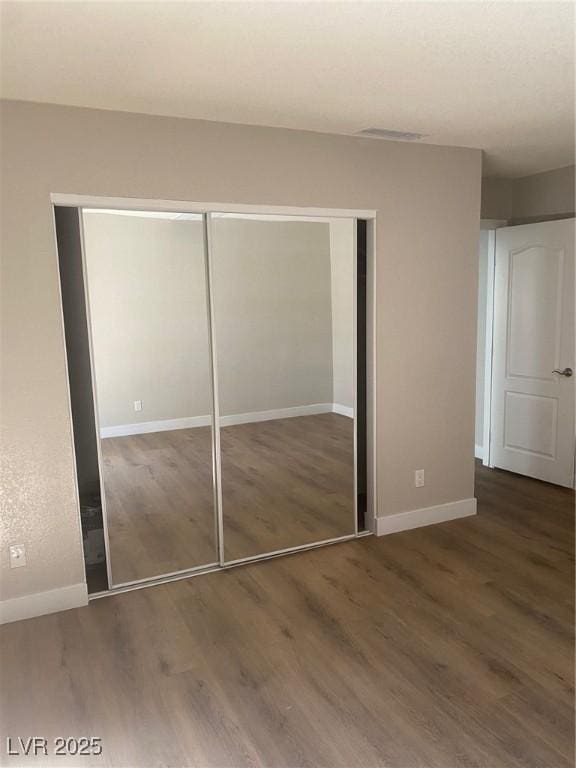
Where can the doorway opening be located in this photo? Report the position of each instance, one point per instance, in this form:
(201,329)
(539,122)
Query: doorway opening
(525,360)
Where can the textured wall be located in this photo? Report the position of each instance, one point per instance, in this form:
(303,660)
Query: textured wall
(428,204)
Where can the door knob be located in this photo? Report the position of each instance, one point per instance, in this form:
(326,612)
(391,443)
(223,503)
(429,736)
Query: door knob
(566,372)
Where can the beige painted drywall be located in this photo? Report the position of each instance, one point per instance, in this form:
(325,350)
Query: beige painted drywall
(543,194)
(147,295)
(539,196)
(342,234)
(427,200)
(497,198)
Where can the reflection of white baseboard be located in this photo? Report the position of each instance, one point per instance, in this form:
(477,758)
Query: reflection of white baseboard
(416,518)
(189,422)
(40,603)
(164,425)
(343,410)
(275,413)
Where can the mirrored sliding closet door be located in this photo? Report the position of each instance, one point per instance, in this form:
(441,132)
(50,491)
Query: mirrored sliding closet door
(283,292)
(147,299)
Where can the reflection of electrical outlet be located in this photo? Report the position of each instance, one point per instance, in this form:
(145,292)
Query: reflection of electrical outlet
(419,478)
(137,405)
(17,556)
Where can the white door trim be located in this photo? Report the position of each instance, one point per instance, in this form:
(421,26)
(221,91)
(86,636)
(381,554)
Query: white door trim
(489,225)
(182,206)
(489,348)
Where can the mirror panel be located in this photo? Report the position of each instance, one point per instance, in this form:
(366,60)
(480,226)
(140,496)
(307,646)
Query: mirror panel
(146,285)
(283,293)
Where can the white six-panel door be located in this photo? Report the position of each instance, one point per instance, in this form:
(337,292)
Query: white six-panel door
(532,392)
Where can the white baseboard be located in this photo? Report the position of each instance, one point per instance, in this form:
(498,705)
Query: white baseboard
(189,422)
(41,603)
(416,518)
(343,410)
(479,451)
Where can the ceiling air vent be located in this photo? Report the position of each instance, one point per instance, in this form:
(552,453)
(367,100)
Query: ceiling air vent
(385,133)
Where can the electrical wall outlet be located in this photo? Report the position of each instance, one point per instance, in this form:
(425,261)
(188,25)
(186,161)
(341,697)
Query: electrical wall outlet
(17,556)
(419,478)
(137,405)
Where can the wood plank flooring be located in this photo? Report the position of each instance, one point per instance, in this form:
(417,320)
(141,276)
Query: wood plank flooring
(445,647)
(285,483)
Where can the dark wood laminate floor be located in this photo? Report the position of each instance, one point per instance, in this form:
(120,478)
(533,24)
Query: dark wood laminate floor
(285,483)
(443,647)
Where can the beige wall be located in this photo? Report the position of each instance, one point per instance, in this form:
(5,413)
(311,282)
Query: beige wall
(537,197)
(544,194)
(428,205)
(342,234)
(497,198)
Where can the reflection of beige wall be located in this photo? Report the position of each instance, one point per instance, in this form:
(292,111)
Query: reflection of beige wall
(427,200)
(342,267)
(147,291)
(272,298)
(272,310)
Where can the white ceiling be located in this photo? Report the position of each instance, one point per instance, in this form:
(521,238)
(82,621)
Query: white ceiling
(498,75)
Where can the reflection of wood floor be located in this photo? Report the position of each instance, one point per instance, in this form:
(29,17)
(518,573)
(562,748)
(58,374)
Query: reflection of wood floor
(285,482)
(441,647)
(159,502)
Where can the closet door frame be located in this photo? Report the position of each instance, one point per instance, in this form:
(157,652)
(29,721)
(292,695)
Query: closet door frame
(205,210)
